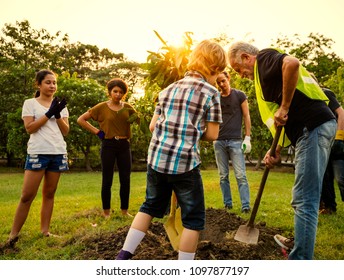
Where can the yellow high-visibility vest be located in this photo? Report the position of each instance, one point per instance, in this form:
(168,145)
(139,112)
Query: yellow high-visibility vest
(305,83)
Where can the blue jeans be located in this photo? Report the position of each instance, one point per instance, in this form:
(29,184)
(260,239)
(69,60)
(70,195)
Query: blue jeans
(226,150)
(312,152)
(188,188)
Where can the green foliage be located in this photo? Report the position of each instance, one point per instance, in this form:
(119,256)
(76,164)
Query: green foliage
(17,136)
(336,84)
(81,95)
(169,64)
(24,50)
(12,94)
(141,134)
(315,54)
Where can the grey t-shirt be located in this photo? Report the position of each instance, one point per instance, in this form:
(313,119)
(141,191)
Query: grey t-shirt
(231,127)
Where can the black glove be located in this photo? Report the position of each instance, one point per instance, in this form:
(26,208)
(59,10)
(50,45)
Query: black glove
(101,134)
(53,108)
(337,151)
(62,104)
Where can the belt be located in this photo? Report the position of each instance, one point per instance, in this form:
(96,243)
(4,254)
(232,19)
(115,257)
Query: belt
(120,137)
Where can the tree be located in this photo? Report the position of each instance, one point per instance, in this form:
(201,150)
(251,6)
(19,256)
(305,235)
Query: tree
(169,64)
(336,84)
(81,95)
(24,50)
(17,136)
(315,54)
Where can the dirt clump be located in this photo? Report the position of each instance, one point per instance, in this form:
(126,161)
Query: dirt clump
(216,242)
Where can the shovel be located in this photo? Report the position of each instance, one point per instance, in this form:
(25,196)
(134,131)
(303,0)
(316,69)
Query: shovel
(247,233)
(173,225)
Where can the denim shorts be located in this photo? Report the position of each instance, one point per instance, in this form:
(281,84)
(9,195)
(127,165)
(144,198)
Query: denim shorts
(54,163)
(189,191)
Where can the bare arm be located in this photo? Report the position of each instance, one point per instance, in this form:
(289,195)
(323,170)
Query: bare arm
(153,122)
(212,131)
(290,74)
(247,118)
(83,122)
(32,125)
(340,118)
(63,124)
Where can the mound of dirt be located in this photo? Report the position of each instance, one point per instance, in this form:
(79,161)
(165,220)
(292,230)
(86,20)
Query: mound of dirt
(216,242)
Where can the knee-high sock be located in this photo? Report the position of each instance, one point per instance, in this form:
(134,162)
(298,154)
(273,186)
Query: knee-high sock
(133,239)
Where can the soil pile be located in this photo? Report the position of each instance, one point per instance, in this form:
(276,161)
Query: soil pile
(216,242)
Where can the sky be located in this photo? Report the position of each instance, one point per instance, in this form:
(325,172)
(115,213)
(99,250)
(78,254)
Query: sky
(127,26)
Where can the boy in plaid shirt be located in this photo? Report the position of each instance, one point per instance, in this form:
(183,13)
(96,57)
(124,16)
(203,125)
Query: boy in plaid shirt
(187,111)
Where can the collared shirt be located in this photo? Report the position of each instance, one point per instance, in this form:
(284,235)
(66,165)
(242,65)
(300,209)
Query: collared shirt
(184,107)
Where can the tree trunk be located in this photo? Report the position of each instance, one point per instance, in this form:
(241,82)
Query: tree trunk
(259,163)
(88,162)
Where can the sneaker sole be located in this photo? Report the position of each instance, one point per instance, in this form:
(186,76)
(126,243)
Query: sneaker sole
(281,244)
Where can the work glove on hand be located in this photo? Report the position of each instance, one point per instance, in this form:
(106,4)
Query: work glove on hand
(246,145)
(61,105)
(101,134)
(53,108)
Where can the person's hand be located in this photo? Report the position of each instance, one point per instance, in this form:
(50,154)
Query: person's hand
(61,105)
(246,145)
(53,108)
(281,117)
(101,134)
(270,161)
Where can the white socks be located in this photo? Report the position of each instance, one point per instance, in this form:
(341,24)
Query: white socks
(186,256)
(133,239)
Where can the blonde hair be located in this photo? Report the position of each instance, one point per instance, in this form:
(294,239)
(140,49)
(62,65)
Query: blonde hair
(208,58)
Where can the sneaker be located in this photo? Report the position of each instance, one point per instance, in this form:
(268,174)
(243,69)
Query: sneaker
(284,242)
(246,210)
(124,255)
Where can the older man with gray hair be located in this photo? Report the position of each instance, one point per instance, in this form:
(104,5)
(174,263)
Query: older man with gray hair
(288,96)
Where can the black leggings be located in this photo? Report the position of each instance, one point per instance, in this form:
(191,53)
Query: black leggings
(115,151)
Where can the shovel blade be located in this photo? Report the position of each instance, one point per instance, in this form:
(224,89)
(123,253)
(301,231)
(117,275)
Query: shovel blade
(247,234)
(178,221)
(172,233)
(173,226)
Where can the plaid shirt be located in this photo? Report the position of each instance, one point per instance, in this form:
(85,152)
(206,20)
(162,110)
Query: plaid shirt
(184,107)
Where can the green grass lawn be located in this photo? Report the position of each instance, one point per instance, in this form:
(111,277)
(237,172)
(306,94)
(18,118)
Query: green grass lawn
(77,212)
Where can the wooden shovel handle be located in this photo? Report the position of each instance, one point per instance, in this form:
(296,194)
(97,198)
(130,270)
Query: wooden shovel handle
(265,176)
